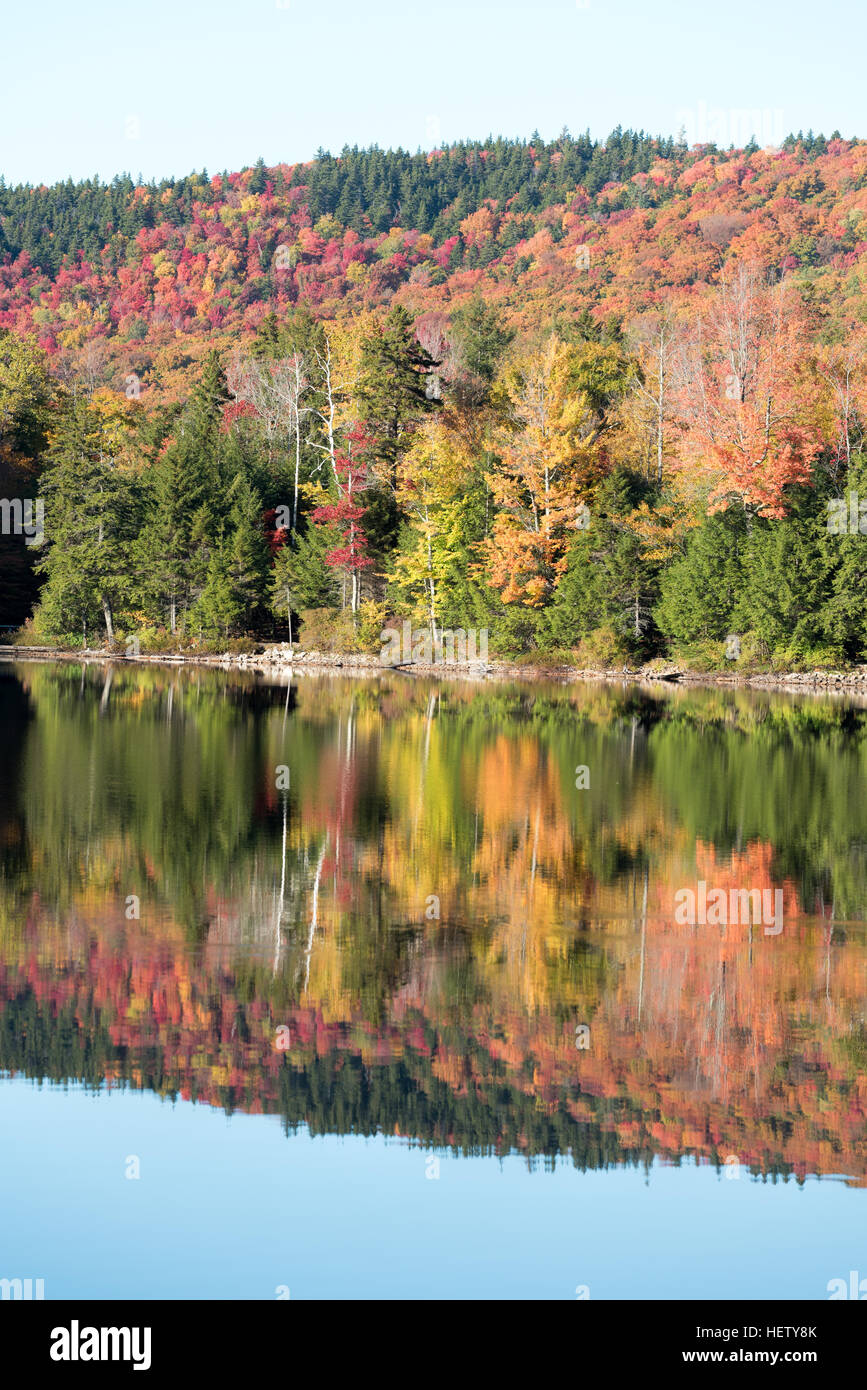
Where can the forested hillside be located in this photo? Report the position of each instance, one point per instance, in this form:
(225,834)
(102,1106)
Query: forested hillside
(603,399)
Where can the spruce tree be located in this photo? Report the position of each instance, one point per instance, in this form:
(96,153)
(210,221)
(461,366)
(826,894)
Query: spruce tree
(91,518)
(246,550)
(186,488)
(393,387)
(699,594)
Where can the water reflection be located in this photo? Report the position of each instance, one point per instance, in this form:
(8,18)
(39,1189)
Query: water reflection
(395,907)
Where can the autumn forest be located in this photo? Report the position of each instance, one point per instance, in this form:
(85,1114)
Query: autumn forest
(605,400)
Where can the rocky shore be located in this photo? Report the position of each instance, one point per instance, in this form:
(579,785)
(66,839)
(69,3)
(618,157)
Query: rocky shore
(274,658)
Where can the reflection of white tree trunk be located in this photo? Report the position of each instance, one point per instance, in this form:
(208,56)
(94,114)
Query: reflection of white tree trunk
(278,936)
(288,693)
(350,734)
(106,689)
(534,860)
(313,920)
(643,945)
(422,773)
(430,714)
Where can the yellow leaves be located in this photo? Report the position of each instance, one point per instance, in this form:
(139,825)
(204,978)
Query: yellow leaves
(662,530)
(116,414)
(341,362)
(328,227)
(547,462)
(479,227)
(316,493)
(429,488)
(435,465)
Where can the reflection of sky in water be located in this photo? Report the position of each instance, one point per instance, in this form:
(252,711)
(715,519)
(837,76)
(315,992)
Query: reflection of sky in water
(232,1209)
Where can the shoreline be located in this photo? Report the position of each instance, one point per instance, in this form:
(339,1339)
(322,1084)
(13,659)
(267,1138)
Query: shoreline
(278,658)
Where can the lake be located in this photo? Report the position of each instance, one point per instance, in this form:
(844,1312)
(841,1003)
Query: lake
(322,987)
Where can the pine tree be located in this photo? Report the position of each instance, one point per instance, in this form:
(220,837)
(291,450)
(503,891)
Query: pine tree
(610,581)
(845,617)
(186,484)
(218,609)
(393,388)
(699,594)
(300,577)
(482,339)
(91,515)
(789,566)
(247,551)
(164,552)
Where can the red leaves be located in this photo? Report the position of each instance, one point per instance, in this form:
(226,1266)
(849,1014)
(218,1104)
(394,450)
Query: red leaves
(275,536)
(351,472)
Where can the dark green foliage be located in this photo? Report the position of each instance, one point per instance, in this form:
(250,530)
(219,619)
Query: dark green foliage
(369,190)
(699,593)
(393,388)
(609,580)
(92,515)
(482,338)
(788,568)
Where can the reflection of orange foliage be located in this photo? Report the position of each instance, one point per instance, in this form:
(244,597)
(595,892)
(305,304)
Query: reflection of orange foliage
(705,1047)
(450,1067)
(749,869)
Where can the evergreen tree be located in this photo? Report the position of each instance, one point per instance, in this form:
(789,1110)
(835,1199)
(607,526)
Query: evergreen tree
(393,388)
(247,552)
(789,569)
(609,581)
(164,553)
(699,594)
(26,393)
(482,339)
(845,616)
(219,608)
(91,516)
(300,577)
(185,488)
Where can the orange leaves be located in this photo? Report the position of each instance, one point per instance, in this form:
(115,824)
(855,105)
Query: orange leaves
(552,450)
(524,564)
(744,434)
(480,226)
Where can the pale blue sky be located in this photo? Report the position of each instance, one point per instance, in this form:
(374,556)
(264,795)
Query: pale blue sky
(171,85)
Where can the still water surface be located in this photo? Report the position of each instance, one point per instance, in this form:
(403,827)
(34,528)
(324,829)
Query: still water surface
(345,988)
